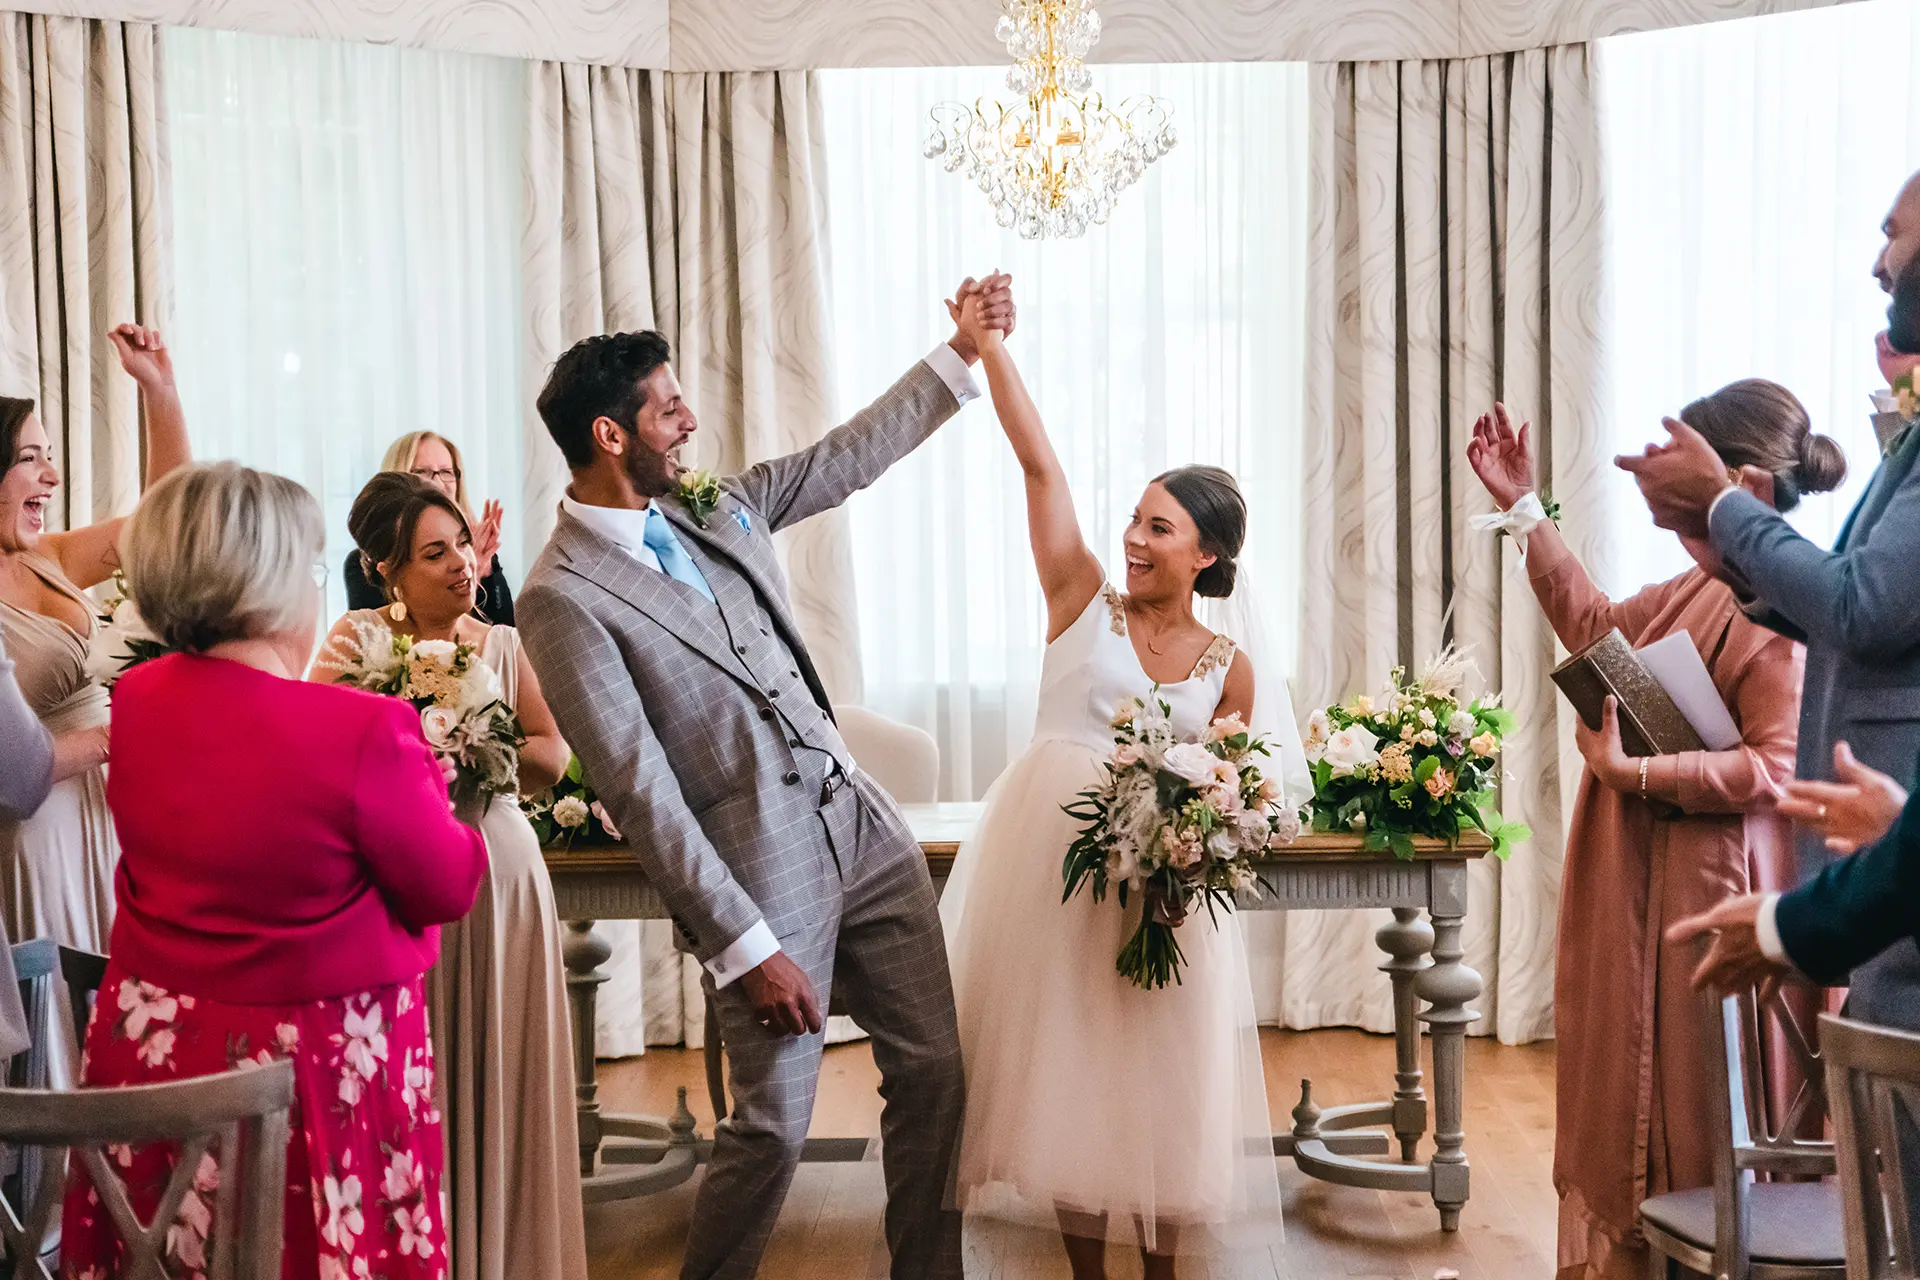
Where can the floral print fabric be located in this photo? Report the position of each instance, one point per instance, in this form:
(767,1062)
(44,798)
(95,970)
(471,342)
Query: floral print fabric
(364,1153)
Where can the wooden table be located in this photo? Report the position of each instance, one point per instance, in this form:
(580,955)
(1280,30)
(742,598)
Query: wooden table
(1316,872)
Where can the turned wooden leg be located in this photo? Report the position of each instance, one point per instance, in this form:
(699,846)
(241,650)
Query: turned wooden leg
(1407,940)
(1448,986)
(583,952)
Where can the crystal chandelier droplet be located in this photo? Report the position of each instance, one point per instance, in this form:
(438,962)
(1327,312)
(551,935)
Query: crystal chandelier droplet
(1052,163)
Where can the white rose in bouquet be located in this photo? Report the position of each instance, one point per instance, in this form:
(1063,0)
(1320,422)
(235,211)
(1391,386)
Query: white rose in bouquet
(479,688)
(570,811)
(440,724)
(1461,725)
(1351,749)
(1192,762)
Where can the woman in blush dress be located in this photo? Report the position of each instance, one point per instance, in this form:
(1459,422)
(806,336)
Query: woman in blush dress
(1653,841)
(498,995)
(288,854)
(1097,1107)
(56,866)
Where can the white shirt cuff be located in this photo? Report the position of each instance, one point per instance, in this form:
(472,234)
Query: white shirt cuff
(953,371)
(1768,930)
(1720,498)
(749,951)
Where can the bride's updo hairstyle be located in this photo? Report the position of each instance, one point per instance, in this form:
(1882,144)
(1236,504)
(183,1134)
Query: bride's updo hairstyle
(384,517)
(1756,423)
(1211,498)
(218,552)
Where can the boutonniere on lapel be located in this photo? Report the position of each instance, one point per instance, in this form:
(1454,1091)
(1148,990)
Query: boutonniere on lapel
(699,492)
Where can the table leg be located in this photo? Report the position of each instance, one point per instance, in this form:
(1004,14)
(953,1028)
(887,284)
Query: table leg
(1407,940)
(583,952)
(1447,986)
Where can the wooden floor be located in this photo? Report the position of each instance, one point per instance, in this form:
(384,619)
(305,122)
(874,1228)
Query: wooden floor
(830,1227)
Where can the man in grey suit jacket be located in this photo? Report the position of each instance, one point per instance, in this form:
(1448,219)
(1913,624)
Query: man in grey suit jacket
(1857,607)
(663,639)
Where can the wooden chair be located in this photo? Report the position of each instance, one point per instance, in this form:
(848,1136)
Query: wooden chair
(34,964)
(84,971)
(1741,1228)
(241,1116)
(1873,1073)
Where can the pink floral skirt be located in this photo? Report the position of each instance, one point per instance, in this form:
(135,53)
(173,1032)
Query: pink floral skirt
(364,1155)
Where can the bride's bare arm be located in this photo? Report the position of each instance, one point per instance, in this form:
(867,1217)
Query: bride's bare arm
(1069,573)
(1236,695)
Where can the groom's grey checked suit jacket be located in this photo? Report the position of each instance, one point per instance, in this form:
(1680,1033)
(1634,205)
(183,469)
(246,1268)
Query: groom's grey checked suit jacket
(704,729)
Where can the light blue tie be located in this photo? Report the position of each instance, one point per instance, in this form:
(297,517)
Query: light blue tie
(674,560)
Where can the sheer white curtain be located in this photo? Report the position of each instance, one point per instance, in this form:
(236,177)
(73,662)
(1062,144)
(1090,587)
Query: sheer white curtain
(1749,166)
(347,252)
(1172,335)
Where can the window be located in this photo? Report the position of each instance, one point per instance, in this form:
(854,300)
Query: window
(347,257)
(1172,335)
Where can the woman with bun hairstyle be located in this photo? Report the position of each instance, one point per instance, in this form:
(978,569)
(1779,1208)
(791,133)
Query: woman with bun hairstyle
(1653,841)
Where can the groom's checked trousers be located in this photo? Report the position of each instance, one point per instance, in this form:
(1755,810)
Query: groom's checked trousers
(883,951)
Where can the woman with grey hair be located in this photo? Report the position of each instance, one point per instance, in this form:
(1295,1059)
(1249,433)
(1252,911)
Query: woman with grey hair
(288,855)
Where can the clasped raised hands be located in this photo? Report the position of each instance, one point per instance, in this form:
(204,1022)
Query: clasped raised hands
(982,312)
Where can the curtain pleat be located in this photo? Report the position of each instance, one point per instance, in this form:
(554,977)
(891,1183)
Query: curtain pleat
(85,239)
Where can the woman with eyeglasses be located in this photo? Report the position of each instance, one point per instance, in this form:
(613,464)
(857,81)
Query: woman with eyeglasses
(434,458)
(56,864)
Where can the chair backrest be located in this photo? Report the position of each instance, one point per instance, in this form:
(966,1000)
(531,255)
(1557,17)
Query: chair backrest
(902,759)
(84,971)
(1873,1075)
(1747,1143)
(239,1116)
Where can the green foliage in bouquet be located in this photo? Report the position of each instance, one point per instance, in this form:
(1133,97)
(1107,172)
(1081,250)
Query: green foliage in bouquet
(1422,761)
(568,813)
(1176,822)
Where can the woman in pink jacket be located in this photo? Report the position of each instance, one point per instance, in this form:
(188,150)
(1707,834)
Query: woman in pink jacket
(287,853)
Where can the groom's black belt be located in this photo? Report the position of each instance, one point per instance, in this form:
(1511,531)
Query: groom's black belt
(830,786)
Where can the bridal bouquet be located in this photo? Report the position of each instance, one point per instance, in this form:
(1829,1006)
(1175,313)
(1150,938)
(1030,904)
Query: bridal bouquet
(465,720)
(122,641)
(1420,761)
(568,812)
(1176,822)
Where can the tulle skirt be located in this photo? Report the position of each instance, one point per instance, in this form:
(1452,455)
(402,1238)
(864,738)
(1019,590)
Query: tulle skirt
(1085,1093)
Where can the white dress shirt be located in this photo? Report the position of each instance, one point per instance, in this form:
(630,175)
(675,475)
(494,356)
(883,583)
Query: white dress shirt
(626,528)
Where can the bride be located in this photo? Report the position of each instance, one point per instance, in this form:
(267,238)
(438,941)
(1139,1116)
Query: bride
(1092,1104)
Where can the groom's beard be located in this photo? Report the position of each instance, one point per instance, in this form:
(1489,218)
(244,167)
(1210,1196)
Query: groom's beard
(652,474)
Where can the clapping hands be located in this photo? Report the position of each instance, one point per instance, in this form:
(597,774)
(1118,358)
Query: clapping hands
(1855,810)
(486,538)
(983,314)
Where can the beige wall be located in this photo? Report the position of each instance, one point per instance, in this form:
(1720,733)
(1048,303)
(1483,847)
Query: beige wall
(738,35)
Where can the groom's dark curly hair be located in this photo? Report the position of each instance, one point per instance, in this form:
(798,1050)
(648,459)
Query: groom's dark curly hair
(599,377)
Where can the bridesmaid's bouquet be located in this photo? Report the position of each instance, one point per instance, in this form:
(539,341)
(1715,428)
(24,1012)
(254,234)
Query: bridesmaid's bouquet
(122,641)
(1177,822)
(1420,760)
(466,721)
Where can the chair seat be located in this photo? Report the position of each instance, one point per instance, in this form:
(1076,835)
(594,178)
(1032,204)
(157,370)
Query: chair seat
(1794,1223)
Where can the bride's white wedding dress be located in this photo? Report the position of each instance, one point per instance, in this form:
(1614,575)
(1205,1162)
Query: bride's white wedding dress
(1085,1092)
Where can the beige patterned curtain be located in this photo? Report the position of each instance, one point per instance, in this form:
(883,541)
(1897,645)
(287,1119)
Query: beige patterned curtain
(1455,260)
(85,238)
(694,204)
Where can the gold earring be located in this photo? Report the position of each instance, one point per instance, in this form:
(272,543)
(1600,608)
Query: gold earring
(397,611)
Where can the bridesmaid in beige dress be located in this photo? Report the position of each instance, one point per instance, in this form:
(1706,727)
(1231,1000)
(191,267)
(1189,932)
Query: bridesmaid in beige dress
(1649,846)
(497,997)
(56,866)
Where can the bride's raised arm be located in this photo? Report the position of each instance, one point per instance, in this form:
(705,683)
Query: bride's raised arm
(1070,575)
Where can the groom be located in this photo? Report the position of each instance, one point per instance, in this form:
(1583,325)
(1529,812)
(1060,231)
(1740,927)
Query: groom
(660,629)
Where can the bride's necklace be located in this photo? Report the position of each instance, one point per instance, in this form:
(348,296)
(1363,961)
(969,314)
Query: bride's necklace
(1148,639)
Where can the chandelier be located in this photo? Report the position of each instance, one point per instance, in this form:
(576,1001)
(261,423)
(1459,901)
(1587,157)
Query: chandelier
(1053,164)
